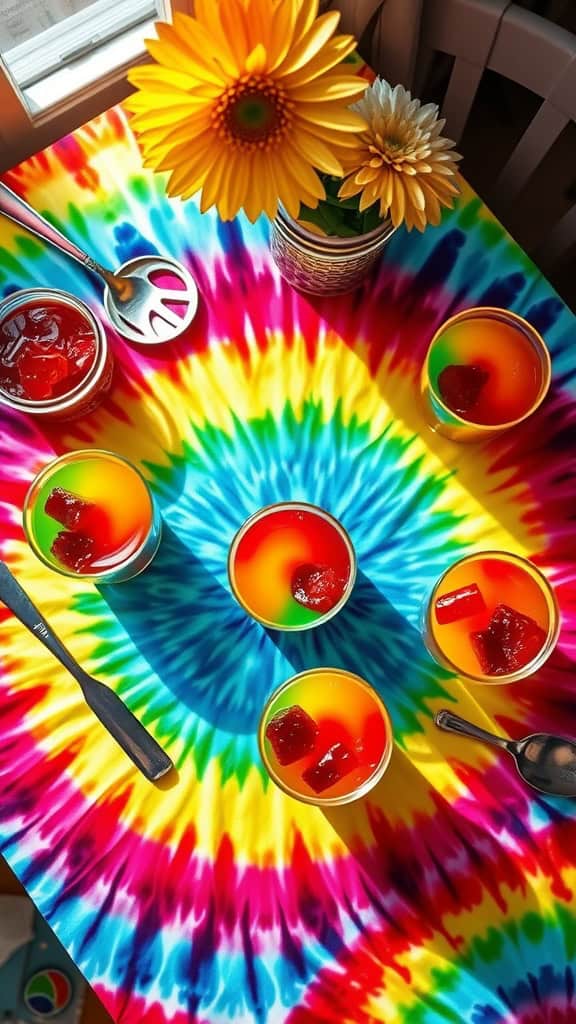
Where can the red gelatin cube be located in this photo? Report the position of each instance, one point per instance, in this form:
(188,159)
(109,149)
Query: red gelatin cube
(492,660)
(459,604)
(318,587)
(292,734)
(75,551)
(81,352)
(337,762)
(40,373)
(510,642)
(460,386)
(69,509)
(519,634)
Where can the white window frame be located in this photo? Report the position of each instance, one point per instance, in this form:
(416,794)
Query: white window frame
(22,134)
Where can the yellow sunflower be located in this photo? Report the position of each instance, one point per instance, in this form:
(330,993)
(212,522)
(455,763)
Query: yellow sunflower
(402,160)
(245,101)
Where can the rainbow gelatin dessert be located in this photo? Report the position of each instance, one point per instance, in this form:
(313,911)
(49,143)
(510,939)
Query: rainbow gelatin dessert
(91,514)
(325,737)
(486,370)
(492,617)
(291,566)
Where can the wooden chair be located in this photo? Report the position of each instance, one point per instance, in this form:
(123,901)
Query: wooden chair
(399,39)
(387,30)
(524,48)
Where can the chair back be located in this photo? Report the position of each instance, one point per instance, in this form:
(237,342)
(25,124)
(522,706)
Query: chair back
(519,45)
(387,31)
(399,38)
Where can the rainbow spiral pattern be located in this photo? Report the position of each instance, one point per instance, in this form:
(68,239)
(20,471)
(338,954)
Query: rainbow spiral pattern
(445,896)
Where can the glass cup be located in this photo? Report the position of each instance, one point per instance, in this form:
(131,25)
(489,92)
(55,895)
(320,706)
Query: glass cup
(291,566)
(90,515)
(54,356)
(352,726)
(492,366)
(471,591)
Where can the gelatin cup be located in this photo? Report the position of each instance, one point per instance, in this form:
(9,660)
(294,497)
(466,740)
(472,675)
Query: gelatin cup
(257,517)
(459,428)
(137,557)
(433,644)
(91,390)
(346,686)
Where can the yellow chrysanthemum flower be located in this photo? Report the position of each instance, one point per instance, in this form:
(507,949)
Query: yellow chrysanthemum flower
(402,160)
(244,101)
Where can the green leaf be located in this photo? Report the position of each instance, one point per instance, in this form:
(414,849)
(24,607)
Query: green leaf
(371,218)
(332,186)
(341,217)
(316,216)
(344,204)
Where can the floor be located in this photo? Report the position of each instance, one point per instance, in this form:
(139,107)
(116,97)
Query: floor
(93,1012)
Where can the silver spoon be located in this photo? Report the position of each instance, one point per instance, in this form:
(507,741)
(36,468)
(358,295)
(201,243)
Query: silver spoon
(128,732)
(139,308)
(546,762)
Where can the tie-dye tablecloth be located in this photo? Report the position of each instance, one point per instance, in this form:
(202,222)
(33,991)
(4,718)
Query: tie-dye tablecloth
(445,896)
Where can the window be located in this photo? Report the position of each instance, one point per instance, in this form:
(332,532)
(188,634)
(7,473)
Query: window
(64,61)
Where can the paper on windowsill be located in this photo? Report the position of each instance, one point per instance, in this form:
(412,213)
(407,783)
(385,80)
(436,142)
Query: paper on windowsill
(23,19)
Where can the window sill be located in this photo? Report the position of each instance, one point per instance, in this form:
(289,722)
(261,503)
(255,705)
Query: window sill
(68,85)
(72,95)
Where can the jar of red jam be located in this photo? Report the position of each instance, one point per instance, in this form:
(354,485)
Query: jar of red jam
(54,355)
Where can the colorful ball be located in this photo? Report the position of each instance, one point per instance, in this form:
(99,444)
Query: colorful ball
(47,993)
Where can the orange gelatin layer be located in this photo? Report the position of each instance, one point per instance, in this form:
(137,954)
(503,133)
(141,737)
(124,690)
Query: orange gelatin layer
(346,710)
(505,352)
(502,581)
